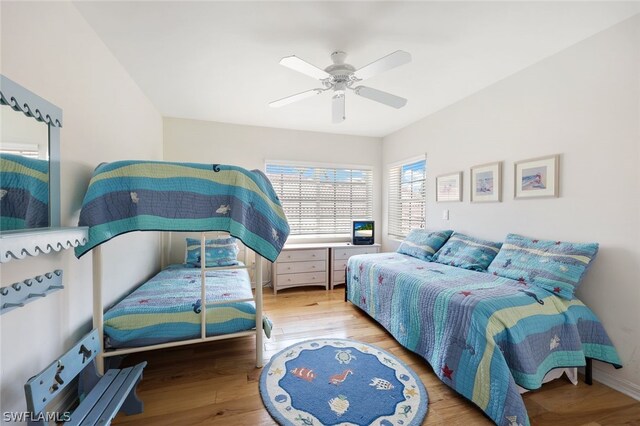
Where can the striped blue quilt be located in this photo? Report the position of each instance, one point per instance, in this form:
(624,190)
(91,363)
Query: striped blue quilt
(481,333)
(129,196)
(167,308)
(24,192)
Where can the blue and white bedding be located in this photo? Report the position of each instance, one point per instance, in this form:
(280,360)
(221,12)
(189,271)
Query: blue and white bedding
(126,196)
(167,308)
(481,333)
(24,192)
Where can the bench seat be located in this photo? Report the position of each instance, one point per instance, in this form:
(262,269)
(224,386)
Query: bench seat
(101,397)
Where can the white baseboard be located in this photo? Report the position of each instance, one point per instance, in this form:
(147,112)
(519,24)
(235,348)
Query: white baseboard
(621,385)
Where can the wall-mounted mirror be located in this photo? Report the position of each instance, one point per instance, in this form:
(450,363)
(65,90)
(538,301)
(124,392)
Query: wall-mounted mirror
(29,159)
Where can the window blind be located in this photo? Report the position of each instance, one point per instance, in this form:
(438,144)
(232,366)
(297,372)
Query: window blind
(23,149)
(407,197)
(322,200)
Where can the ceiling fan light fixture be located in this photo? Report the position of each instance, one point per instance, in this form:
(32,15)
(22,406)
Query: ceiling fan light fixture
(340,76)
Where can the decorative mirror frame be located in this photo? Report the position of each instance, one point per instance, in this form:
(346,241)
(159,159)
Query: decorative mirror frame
(18,244)
(22,100)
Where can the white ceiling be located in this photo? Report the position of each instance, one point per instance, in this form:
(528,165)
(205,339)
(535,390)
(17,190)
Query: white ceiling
(218,61)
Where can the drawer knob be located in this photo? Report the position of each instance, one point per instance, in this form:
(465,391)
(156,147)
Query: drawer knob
(313,255)
(313,267)
(289,280)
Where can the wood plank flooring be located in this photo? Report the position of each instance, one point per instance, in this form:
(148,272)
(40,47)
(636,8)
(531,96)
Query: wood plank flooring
(217,383)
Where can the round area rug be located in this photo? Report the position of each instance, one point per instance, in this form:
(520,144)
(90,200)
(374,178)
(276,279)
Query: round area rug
(338,381)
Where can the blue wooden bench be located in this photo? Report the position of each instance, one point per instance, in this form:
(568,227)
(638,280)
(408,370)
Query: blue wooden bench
(101,397)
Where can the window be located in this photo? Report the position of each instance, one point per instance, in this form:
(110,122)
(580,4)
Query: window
(322,199)
(407,197)
(23,149)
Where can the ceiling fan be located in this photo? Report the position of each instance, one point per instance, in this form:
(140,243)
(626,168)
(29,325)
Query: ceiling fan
(340,77)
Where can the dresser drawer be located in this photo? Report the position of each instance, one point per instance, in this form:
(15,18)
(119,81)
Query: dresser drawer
(302,255)
(288,280)
(345,253)
(297,267)
(338,277)
(339,265)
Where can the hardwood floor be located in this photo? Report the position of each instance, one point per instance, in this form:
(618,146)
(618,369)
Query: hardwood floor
(217,383)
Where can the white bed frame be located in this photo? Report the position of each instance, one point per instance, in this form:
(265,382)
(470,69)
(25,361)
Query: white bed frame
(98,309)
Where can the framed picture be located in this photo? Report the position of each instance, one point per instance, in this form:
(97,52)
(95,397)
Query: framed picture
(486,183)
(536,178)
(449,187)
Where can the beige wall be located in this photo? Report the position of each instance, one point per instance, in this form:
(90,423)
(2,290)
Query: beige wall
(250,146)
(582,103)
(50,49)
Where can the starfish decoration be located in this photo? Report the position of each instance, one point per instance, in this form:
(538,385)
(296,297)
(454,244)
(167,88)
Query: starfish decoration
(143,301)
(556,289)
(521,280)
(410,392)
(465,293)
(364,349)
(277,370)
(380,278)
(447,372)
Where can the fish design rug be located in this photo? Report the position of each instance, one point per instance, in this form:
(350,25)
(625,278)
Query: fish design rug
(338,381)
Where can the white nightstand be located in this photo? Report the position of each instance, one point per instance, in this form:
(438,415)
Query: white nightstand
(301,265)
(340,254)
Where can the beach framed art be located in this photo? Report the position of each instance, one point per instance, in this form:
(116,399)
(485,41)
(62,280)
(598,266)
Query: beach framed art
(536,178)
(486,183)
(449,187)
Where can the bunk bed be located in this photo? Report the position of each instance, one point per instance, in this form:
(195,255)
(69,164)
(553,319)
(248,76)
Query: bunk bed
(128,196)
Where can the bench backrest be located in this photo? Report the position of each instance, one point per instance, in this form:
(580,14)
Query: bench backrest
(45,386)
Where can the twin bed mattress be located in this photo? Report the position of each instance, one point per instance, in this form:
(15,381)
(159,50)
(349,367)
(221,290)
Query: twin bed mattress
(483,334)
(167,308)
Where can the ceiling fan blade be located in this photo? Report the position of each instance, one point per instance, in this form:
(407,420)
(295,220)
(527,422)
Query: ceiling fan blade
(380,96)
(304,67)
(395,59)
(337,109)
(295,98)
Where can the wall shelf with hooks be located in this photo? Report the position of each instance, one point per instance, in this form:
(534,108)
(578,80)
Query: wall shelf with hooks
(32,242)
(19,294)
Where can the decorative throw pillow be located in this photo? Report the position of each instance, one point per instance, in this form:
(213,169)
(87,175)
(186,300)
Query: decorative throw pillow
(555,266)
(467,252)
(218,252)
(423,244)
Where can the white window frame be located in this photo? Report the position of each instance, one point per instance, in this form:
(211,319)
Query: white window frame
(394,202)
(363,167)
(31,150)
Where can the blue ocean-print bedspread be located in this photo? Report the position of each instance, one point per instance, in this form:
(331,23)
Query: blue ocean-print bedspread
(129,196)
(167,308)
(481,333)
(24,192)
